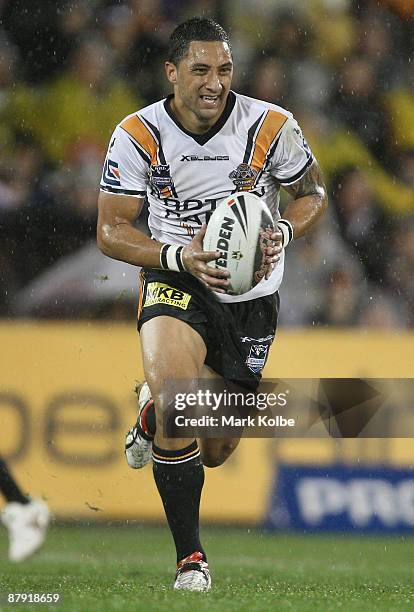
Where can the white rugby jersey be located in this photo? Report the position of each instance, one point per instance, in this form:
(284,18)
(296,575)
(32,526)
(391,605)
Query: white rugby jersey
(255,146)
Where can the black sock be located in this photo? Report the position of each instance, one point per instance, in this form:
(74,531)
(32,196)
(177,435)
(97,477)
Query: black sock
(9,487)
(179,476)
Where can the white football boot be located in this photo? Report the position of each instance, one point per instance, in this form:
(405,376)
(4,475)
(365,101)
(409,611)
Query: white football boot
(138,450)
(27,525)
(193,574)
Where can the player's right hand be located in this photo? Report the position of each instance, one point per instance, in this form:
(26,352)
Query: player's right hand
(195,261)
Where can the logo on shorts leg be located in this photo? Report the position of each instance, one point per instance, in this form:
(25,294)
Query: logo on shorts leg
(159,293)
(257,357)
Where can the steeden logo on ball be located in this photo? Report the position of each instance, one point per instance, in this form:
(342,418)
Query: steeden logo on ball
(240,229)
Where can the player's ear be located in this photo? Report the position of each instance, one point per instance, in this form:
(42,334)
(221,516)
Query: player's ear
(171,72)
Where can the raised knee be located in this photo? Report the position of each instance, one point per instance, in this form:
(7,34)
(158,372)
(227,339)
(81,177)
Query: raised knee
(213,458)
(212,461)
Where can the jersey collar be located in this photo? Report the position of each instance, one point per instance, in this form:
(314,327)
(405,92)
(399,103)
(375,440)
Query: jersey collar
(202,139)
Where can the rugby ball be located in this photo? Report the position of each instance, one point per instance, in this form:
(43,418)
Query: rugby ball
(240,228)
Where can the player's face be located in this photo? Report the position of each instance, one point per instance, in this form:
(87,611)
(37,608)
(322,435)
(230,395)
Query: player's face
(201,82)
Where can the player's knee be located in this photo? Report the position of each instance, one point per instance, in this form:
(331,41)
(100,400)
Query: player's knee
(214,457)
(161,405)
(156,389)
(211,461)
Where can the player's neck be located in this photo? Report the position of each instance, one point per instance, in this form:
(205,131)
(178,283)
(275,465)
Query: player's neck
(189,120)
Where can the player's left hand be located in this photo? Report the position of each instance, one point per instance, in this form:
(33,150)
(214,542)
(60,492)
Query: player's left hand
(273,252)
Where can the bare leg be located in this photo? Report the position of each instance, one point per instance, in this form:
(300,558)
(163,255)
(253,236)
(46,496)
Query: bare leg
(215,451)
(171,349)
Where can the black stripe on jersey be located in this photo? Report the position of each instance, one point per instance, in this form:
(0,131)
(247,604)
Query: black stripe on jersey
(298,175)
(122,191)
(138,148)
(250,139)
(161,157)
(156,134)
(269,156)
(238,216)
(271,152)
(152,128)
(141,151)
(173,191)
(268,159)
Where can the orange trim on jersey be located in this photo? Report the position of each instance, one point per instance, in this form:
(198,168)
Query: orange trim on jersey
(139,131)
(269,129)
(141,294)
(166,192)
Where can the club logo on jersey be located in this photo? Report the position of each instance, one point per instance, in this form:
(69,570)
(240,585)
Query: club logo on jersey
(111,174)
(159,293)
(160,179)
(257,357)
(243,177)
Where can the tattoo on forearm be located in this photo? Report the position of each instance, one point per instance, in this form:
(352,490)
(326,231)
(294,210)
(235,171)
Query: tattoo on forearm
(311,183)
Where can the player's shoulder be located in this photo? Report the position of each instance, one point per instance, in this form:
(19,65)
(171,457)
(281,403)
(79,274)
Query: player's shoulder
(146,114)
(256,106)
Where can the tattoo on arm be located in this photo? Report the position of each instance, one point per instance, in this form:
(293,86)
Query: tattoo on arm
(310,184)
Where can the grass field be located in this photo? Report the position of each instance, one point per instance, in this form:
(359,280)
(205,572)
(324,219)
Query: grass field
(131,568)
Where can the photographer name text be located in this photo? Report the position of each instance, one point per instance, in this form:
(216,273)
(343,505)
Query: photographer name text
(261,420)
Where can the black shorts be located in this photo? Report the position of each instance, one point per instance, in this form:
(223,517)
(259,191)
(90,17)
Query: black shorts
(237,335)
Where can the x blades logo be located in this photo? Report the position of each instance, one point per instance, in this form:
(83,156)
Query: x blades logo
(204,158)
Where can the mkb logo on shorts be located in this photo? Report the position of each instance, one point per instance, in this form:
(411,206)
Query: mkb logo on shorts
(159,293)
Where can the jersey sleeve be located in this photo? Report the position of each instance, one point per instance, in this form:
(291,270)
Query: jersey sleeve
(125,170)
(292,156)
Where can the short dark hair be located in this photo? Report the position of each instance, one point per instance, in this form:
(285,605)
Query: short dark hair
(197,28)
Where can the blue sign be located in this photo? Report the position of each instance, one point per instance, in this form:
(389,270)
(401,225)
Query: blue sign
(340,498)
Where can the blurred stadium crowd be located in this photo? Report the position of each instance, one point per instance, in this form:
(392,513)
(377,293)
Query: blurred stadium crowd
(70,70)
